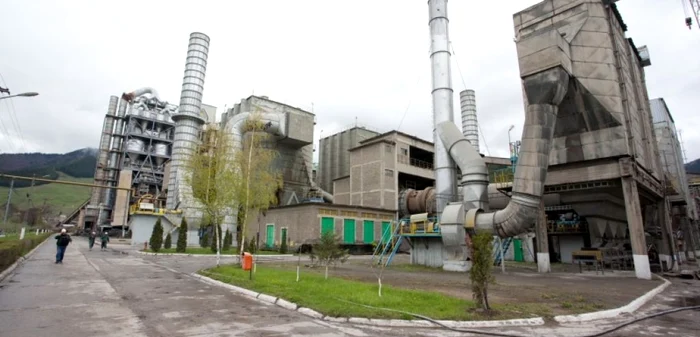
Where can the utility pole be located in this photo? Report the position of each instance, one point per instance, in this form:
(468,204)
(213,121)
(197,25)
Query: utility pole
(29,203)
(9,199)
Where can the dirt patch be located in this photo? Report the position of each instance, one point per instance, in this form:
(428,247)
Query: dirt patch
(563,292)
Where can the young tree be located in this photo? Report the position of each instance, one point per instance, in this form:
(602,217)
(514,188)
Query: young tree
(212,175)
(259,183)
(168,242)
(217,242)
(182,237)
(482,261)
(156,241)
(328,252)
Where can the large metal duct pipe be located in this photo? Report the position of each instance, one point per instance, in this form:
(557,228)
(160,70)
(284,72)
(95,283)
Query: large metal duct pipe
(470,124)
(188,123)
(142,91)
(544,92)
(445,172)
(275,125)
(475,177)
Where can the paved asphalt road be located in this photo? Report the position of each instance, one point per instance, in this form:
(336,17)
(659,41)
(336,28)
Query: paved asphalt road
(111,293)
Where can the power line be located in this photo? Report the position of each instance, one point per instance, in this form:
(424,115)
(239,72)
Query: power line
(13,116)
(459,69)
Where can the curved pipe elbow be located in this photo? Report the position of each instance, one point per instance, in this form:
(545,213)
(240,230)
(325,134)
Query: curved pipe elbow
(462,152)
(140,92)
(518,217)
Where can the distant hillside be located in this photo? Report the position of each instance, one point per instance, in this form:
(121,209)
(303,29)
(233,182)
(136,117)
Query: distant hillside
(78,164)
(693,166)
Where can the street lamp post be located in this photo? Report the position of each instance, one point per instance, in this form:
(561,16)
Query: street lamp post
(24,94)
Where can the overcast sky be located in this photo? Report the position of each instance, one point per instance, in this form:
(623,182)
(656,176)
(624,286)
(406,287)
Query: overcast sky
(364,60)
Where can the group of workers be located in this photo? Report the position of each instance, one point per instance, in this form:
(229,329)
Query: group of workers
(63,240)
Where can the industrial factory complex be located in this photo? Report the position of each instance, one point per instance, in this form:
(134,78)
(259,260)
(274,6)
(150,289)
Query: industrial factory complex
(597,176)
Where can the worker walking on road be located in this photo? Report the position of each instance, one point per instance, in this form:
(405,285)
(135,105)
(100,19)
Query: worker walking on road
(105,239)
(62,241)
(91,239)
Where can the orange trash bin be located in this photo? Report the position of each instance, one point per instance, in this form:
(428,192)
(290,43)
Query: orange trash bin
(247,261)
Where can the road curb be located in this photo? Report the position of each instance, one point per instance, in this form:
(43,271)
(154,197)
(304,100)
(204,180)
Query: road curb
(366,321)
(611,313)
(21,259)
(257,257)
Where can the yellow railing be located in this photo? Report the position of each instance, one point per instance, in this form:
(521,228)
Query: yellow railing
(135,209)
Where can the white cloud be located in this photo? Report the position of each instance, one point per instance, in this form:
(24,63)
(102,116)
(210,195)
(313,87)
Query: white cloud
(352,59)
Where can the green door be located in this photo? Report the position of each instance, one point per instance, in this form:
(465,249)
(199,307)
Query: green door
(327,225)
(349,231)
(270,237)
(386,231)
(518,250)
(368,231)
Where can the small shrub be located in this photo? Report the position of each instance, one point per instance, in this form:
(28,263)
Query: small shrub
(156,241)
(181,246)
(214,231)
(328,252)
(480,274)
(253,245)
(168,242)
(228,240)
(283,244)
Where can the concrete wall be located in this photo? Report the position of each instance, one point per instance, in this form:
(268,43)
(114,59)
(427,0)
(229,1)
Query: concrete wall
(334,155)
(373,176)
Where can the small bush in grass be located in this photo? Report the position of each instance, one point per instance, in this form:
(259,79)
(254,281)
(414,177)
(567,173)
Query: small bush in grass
(156,241)
(168,242)
(181,246)
(283,244)
(253,245)
(228,240)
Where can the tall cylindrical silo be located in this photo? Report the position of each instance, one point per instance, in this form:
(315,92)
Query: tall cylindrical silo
(188,122)
(470,125)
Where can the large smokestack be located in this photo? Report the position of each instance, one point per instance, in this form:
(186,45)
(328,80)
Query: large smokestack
(445,172)
(103,151)
(470,125)
(188,122)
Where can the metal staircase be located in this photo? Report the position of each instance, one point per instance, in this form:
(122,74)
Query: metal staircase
(390,247)
(505,243)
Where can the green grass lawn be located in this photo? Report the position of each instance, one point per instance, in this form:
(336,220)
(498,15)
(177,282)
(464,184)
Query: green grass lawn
(15,237)
(63,198)
(207,251)
(333,296)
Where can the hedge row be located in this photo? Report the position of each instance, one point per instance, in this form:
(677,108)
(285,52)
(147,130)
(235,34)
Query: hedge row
(12,250)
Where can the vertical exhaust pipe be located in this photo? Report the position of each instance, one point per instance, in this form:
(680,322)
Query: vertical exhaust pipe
(445,171)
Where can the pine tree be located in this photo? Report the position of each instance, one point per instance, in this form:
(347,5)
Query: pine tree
(182,237)
(216,230)
(156,241)
(253,246)
(228,238)
(168,242)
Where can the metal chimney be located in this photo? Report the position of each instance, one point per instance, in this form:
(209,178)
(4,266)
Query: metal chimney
(188,122)
(470,125)
(445,169)
(103,151)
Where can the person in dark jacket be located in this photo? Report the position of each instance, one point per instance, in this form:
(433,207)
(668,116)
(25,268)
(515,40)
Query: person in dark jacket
(91,239)
(105,239)
(62,242)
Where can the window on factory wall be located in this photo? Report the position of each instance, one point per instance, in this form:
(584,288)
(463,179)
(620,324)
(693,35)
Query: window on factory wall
(389,172)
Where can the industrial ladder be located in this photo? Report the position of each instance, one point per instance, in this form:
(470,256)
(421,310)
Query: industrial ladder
(497,250)
(387,247)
